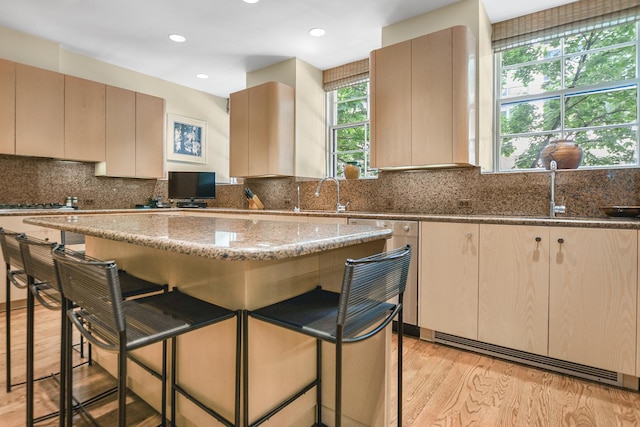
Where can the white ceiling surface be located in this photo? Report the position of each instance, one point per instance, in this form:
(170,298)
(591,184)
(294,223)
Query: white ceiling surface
(225,38)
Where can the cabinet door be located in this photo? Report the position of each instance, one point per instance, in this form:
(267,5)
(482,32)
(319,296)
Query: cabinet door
(120,153)
(390,87)
(431,100)
(39,112)
(84,120)
(262,131)
(7,107)
(239,134)
(592,297)
(513,293)
(448,290)
(149,136)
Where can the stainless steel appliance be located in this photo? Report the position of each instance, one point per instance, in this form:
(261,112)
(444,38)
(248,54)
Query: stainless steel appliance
(404,232)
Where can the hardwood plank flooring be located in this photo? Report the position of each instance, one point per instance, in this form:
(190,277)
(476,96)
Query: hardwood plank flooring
(443,386)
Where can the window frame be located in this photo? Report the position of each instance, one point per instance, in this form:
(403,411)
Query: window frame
(561,95)
(333,129)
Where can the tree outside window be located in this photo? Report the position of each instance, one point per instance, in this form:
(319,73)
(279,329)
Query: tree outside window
(349,129)
(582,87)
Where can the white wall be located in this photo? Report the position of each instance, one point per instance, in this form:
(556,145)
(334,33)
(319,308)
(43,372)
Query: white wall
(180,100)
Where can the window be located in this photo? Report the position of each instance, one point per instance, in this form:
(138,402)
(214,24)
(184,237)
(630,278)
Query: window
(348,121)
(581,87)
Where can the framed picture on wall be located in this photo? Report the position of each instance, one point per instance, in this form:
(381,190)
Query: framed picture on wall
(186,139)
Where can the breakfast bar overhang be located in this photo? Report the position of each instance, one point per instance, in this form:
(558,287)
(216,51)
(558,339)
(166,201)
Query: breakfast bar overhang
(244,264)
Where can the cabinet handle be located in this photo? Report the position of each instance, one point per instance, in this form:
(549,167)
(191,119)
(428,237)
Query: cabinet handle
(561,240)
(538,239)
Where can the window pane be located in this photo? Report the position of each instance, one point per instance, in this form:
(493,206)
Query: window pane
(524,152)
(352,111)
(533,52)
(601,108)
(527,117)
(609,147)
(602,66)
(600,38)
(531,79)
(352,138)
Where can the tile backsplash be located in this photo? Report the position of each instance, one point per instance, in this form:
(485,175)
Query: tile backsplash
(437,191)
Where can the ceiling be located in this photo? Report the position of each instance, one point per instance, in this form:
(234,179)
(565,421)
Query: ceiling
(225,38)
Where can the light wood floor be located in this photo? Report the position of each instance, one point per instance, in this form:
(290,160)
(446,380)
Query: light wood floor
(443,386)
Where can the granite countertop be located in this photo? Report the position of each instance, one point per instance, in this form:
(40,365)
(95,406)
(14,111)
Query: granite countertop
(217,238)
(560,221)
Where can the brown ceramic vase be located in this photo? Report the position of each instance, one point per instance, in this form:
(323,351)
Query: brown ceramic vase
(567,154)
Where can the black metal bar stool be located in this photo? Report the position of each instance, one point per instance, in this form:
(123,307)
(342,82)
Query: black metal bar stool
(44,287)
(16,277)
(358,312)
(122,326)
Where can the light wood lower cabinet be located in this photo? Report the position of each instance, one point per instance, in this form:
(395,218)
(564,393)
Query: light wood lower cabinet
(593,297)
(448,274)
(513,290)
(562,292)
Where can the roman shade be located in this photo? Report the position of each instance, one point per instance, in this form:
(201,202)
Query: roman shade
(565,20)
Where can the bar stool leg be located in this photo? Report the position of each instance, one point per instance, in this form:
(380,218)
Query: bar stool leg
(8,331)
(30,340)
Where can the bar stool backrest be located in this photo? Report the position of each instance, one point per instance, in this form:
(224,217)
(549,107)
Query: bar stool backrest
(38,261)
(11,248)
(93,285)
(367,286)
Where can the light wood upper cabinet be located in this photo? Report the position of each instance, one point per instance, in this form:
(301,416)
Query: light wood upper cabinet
(448,292)
(422,93)
(390,86)
(84,120)
(134,135)
(513,290)
(120,154)
(39,112)
(593,297)
(7,107)
(149,136)
(262,131)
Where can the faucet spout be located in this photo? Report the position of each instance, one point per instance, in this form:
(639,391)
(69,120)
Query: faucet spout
(553,208)
(339,207)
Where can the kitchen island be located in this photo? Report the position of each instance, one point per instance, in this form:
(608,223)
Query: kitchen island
(244,264)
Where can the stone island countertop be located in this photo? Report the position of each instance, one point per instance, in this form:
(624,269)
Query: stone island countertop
(215,237)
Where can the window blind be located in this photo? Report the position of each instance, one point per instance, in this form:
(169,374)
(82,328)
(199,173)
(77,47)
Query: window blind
(565,20)
(345,75)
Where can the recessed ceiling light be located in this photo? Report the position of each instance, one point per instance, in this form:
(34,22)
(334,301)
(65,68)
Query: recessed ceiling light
(202,76)
(317,32)
(251,1)
(178,38)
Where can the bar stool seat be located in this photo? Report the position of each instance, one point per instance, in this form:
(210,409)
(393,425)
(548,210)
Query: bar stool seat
(44,287)
(361,310)
(115,325)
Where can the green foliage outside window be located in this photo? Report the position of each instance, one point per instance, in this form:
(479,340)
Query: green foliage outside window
(349,129)
(582,87)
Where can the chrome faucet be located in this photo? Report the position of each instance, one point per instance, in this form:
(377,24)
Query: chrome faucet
(339,207)
(554,209)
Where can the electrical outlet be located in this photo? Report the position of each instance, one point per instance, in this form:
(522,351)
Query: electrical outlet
(88,202)
(287,202)
(464,204)
(388,203)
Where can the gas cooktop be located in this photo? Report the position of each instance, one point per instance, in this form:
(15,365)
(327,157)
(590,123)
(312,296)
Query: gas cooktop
(33,206)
